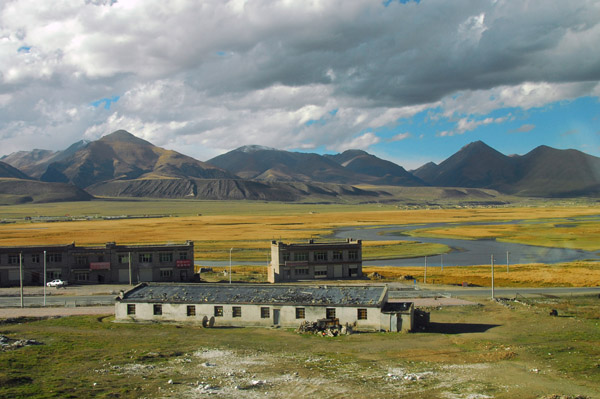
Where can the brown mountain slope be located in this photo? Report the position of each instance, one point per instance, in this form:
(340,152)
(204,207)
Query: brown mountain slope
(122,156)
(8,171)
(546,171)
(20,191)
(230,189)
(34,163)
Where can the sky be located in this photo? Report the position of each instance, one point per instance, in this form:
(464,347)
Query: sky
(409,81)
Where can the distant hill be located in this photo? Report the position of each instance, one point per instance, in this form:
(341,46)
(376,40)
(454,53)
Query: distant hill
(122,156)
(121,164)
(350,167)
(7,170)
(546,171)
(232,189)
(34,163)
(20,191)
(380,171)
(543,172)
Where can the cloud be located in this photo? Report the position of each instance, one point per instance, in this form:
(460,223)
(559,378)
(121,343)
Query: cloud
(523,129)
(230,73)
(401,136)
(570,132)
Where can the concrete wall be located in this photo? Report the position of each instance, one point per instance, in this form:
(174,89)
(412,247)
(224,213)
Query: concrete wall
(251,315)
(77,264)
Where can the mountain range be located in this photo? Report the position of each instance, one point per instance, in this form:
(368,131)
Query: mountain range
(122,165)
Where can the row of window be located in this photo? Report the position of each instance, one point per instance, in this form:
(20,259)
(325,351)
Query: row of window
(147,257)
(320,256)
(236,311)
(13,259)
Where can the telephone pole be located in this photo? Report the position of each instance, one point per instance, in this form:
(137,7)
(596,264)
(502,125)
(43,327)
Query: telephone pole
(21,275)
(492,276)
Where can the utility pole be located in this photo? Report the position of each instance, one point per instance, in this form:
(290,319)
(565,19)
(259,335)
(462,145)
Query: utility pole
(425,277)
(130,282)
(44,278)
(442,261)
(492,276)
(506,261)
(230,265)
(21,275)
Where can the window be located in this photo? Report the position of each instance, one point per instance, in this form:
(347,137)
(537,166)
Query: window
(130,309)
(330,313)
(301,271)
(286,256)
(166,257)
(300,313)
(82,276)
(123,259)
(157,309)
(337,255)
(183,256)
(145,258)
(54,258)
(35,258)
(236,311)
(362,314)
(166,273)
(265,313)
(13,259)
(353,271)
(353,254)
(218,311)
(81,260)
(300,256)
(320,271)
(53,274)
(191,310)
(320,255)
(100,258)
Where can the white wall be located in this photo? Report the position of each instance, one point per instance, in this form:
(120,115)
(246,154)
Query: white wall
(251,315)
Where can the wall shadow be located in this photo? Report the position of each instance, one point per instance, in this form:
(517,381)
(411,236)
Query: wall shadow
(458,328)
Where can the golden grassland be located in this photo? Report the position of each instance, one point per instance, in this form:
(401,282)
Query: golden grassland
(249,227)
(570,274)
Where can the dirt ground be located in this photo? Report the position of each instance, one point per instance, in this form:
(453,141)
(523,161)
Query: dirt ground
(9,313)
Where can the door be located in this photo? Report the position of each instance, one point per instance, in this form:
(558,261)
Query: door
(276,317)
(145,274)
(338,271)
(123,275)
(183,275)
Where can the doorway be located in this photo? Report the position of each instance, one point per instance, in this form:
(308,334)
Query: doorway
(276,317)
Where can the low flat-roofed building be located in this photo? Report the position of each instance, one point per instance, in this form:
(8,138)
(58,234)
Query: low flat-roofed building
(110,263)
(315,261)
(265,305)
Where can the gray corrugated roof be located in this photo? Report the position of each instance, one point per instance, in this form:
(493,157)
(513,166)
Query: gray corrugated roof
(256,294)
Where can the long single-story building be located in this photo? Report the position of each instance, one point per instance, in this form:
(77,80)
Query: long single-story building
(110,263)
(244,305)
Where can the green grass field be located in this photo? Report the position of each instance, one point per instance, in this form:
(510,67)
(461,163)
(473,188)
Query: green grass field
(491,350)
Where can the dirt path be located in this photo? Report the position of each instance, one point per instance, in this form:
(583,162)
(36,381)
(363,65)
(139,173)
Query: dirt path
(6,313)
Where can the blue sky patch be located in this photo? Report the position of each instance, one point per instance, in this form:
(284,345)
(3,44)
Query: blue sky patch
(106,101)
(24,49)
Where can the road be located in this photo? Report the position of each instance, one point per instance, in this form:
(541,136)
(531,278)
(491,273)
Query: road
(511,292)
(69,301)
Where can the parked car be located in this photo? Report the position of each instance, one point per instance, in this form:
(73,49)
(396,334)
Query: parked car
(57,283)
